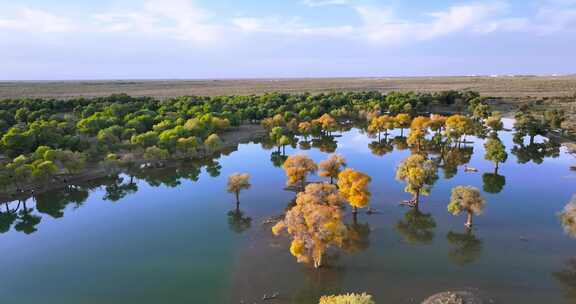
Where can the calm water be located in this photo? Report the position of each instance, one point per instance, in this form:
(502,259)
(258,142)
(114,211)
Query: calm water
(171,239)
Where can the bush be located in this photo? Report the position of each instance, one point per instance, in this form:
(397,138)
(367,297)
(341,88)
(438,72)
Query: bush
(348,299)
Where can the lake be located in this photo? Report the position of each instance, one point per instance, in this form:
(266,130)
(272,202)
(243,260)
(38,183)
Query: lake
(174,236)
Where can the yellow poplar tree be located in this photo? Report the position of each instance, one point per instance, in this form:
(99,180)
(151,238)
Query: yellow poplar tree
(332,166)
(238,182)
(403,121)
(297,168)
(466,199)
(353,186)
(314,223)
(326,122)
(419,174)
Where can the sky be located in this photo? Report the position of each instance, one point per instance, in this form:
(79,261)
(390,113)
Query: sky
(207,39)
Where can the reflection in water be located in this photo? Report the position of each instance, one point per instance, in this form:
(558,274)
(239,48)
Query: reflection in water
(535,152)
(467,248)
(54,202)
(322,281)
(326,144)
(455,157)
(26,220)
(568,217)
(357,238)
(493,183)
(567,278)
(416,227)
(400,143)
(238,222)
(117,190)
(7,218)
(382,147)
(278,159)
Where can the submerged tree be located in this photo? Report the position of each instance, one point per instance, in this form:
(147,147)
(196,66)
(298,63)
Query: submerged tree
(402,121)
(238,182)
(353,186)
(314,223)
(466,199)
(332,166)
(326,122)
(494,122)
(495,152)
(419,174)
(297,168)
(457,126)
(416,227)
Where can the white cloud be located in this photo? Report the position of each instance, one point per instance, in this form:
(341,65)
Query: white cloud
(33,20)
(186,21)
(286,26)
(383,25)
(555,16)
(181,19)
(319,3)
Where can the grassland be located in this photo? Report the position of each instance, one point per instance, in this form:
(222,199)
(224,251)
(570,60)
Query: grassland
(514,87)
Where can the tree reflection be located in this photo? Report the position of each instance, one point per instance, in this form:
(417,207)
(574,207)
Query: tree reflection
(278,159)
(535,152)
(416,227)
(54,202)
(358,238)
(493,183)
(568,217)
(118,190)
(213,168)
(467,248)
(326,144)
(381,148)
(7,218)
(400,143)
(238,222)
(26,220)
(567,279)
(454,158)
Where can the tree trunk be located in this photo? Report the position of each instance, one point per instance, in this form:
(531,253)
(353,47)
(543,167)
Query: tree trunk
(237,198)
(469,220)
(331,180)
(401,132)
(354,211)
(417,200)
(496,168)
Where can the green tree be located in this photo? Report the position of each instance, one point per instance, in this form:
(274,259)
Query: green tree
(466,199)
(419,174)
(495,151)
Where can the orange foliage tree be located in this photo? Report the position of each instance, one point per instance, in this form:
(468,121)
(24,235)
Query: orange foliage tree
(332,166)
(297,168)
(314,223)
(353,186)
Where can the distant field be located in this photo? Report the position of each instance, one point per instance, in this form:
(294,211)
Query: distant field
(515,87)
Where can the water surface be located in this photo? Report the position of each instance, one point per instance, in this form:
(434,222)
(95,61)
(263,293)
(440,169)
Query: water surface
(174,236)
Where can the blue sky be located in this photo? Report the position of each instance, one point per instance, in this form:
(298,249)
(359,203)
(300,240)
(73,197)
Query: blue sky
(187,39)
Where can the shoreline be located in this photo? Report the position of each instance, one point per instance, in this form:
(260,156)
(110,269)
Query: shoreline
(230,139)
